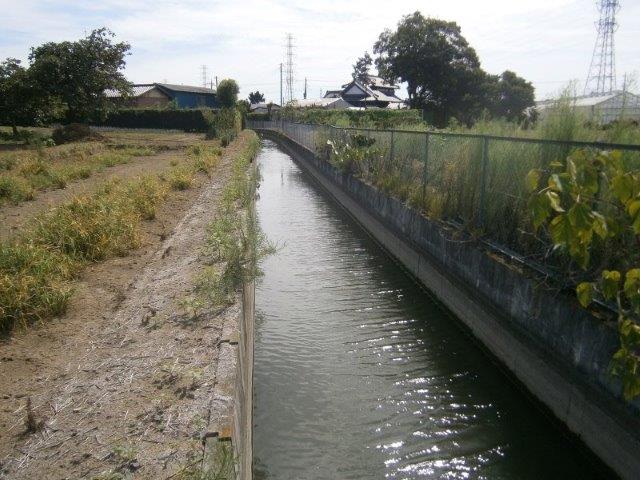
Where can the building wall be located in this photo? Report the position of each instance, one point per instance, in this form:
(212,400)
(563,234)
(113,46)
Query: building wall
(194,100)
(152,98)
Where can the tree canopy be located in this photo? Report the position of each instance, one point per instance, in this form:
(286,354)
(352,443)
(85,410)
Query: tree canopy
(361,68)
(443,73)
(78,73)
(256,97)
(228,92)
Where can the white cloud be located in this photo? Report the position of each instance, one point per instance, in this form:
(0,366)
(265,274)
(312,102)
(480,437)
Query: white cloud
(547,41)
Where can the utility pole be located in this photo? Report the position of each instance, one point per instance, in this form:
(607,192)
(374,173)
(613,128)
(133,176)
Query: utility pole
(305,88)
(281,104)
(204,75)
(602,71)
(216,82)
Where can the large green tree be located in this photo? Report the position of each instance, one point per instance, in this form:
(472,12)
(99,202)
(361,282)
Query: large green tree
(227,92)
(21,101)
(441,70)
(79,72)
(513,96)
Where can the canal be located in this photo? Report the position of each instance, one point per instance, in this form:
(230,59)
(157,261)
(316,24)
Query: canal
(359,374)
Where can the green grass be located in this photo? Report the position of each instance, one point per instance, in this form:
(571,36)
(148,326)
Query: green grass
(234,240)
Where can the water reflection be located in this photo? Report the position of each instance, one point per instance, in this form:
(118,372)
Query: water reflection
(358,374)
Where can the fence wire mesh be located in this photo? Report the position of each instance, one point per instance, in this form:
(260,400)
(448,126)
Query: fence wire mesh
(476,181)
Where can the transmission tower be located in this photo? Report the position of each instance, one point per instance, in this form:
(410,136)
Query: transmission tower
(203,69)
(289,69)
(602,71)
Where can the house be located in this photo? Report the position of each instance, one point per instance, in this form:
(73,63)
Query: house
(264,107)
(161,94)
(602,109)
(329,103)
(373,92)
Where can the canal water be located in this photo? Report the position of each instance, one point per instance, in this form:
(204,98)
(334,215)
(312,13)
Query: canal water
(359,374)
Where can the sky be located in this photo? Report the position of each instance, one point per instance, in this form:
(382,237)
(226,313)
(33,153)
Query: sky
(548,42)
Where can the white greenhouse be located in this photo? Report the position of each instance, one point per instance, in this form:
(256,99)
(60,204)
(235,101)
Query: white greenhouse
(602,109)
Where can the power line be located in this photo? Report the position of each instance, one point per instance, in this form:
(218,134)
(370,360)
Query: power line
(602,71)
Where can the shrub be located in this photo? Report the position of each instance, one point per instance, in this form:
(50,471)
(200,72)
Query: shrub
(73,132)
(187,120)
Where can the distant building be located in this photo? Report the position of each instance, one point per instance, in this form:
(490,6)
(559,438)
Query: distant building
(264,107)
(373,93)
(161,94)
(330,103)
(602,109)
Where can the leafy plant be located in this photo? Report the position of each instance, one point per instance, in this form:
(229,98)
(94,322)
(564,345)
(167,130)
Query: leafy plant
(594,199)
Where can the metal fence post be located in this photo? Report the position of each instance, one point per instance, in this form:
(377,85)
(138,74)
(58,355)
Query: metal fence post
(424,169)
(391,153)
(483,179)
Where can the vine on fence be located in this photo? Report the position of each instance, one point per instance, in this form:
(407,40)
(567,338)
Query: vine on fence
(592,202)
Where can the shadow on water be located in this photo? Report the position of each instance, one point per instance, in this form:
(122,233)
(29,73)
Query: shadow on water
(360,374)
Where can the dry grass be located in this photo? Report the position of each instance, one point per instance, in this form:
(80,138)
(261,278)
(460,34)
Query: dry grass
(26,172)
(36,269)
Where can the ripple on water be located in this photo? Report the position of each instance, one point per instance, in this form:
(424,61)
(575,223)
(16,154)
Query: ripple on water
(358,374)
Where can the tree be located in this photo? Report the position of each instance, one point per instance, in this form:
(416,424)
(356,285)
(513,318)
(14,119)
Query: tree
(78,73)
(590,205)
(21,101)
(361,68)
(256,97)
(228,92)
(441,70)
(513,96)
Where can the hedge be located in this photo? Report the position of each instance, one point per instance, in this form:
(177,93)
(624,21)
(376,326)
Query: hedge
(375,117)
(191,120)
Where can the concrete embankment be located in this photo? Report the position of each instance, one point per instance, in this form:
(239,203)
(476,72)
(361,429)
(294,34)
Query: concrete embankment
(557,350)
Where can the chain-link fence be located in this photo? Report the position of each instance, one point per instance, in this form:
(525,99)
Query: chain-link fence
(475,181)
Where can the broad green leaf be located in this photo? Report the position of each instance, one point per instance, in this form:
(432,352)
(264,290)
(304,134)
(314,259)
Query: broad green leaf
(533,180)
(610,283)
(561,231)
(580,216)
(554,201)
(633,208)
(541,209)
(600,225)
(632,284)
(555,183)
(584,291)
(622,187)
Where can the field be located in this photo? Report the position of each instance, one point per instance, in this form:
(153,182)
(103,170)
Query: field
(106,368)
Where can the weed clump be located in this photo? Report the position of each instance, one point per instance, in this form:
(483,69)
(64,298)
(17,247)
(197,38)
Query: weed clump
(15,189)
(36,269)
(180,178)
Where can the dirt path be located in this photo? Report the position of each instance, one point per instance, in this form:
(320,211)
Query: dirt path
(124,382)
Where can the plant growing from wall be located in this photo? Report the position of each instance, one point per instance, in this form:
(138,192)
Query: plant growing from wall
(590,207)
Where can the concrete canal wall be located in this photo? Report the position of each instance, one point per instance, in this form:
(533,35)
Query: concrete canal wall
(556,349)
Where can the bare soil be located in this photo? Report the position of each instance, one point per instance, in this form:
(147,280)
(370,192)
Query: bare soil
(124,384)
